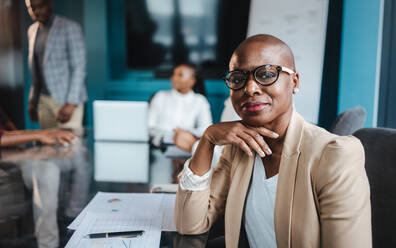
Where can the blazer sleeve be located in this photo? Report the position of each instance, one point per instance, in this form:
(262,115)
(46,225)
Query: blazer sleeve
(343,194)
(196,211)
(77,61)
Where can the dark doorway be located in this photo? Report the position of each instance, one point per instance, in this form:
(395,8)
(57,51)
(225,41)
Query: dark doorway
(331,66)
(11,61)
(161,34)
(387,92)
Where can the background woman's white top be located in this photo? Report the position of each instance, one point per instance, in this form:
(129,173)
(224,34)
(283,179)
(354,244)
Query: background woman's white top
(170,109)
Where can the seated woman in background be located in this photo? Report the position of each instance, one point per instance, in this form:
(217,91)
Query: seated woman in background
(179,110)
(281,181)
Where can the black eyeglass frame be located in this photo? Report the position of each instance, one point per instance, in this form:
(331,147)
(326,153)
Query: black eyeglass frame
(279,69)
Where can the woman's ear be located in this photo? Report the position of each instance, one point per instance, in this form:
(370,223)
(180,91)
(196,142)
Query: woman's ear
(296,80)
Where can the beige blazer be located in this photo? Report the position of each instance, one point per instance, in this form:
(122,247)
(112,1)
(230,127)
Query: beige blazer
(322,197)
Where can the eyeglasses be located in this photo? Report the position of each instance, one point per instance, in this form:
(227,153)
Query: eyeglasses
(265,75)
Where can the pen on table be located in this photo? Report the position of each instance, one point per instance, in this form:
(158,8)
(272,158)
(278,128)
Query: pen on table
(128,234)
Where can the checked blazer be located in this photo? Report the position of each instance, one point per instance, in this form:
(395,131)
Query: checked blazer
(64,65)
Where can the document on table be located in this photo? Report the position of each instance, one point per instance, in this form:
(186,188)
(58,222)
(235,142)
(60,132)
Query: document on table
(134,204)
(122,203)
(101,223)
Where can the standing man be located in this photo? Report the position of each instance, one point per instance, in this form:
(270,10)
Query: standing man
(58,68)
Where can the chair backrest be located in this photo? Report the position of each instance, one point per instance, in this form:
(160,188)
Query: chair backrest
(121,121)
(380,151)
(349,121)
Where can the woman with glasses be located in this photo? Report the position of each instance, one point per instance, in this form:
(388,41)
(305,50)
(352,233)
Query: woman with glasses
(281,182)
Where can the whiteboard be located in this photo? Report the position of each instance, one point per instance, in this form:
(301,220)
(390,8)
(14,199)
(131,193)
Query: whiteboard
(302,25)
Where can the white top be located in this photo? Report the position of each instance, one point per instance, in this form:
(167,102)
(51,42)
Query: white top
(259,210)
(192,182)
(171,109)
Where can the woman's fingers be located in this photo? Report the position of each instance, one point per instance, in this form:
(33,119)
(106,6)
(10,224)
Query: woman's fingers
(260,141)
(246,137)
(253,144)
(242,144)
(265,132)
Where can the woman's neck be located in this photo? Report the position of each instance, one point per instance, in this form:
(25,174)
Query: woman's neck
(279,126)
(183,92)
(272,163)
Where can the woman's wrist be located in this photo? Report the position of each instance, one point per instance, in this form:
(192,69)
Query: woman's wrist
(207,136)
(202,158)
(206,142)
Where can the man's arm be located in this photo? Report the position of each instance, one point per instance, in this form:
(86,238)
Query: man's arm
(33,103)
(77,62)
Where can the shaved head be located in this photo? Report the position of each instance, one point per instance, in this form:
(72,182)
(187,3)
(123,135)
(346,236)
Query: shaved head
(262,43)
(272,104)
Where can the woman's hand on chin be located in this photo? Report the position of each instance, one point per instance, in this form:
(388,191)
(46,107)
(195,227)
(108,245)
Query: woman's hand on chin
(247,138)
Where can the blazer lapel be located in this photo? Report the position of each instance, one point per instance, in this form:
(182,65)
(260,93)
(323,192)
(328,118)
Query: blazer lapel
(235,201)
(51,39)
(286,181)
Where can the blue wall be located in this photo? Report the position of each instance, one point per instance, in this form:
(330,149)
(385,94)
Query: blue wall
(361,19)
(95,31)
(109,79)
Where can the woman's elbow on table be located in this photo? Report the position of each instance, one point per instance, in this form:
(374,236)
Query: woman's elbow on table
(191,212)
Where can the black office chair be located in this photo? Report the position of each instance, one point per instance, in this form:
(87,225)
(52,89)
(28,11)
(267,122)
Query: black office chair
(380,150)
(216,234)
(349,121)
